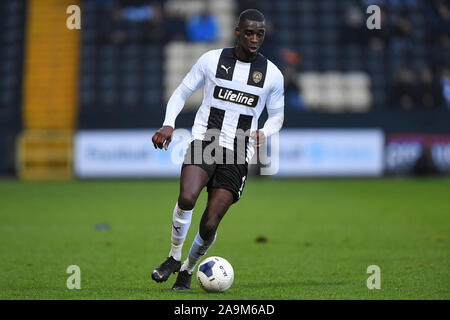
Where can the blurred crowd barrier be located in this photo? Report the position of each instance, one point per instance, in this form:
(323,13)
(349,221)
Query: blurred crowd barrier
(293,153)
(120,69)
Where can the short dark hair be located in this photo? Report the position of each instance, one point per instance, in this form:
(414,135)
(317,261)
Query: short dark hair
(250,14)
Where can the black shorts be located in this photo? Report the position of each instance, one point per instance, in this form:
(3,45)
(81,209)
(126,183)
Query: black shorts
(222,174)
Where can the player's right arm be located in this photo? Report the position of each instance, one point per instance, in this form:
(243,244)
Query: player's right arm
(162,138)
(194,80)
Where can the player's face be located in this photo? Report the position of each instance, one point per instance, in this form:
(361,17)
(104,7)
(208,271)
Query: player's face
(251,36)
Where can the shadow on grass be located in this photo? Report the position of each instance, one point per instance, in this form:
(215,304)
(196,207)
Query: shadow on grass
(293,284)
(156,292)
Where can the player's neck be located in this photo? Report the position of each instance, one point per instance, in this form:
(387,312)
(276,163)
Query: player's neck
(243,56)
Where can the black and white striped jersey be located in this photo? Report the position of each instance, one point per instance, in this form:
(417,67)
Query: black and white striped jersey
(235,94)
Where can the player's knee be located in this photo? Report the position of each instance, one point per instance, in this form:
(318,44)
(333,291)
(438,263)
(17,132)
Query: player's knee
(186,201)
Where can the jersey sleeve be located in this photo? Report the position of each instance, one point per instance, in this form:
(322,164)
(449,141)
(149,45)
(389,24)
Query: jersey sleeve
(275,99)
(176,104)
(195,78)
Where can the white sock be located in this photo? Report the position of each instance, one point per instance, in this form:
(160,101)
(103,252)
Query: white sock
(181,221)
(198,250)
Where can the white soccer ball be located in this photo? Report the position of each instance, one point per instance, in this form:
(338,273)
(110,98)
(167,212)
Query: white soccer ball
(215,274)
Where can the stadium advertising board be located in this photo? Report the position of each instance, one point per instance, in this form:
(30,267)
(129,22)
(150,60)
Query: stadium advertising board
(130,153)
(123,154)
(327,152)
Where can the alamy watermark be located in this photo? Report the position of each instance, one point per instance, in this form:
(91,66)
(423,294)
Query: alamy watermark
(236,150)
(73,22)
(374,20)
(74,280)
(374,281)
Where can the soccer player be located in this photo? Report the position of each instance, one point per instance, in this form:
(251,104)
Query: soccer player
(238,83)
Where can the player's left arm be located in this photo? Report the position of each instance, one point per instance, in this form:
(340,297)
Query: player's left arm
(275,111)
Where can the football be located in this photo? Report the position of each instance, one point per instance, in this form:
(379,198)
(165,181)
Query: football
(215,274)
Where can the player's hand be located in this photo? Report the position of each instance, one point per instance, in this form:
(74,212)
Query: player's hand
(162,137)
(259,137)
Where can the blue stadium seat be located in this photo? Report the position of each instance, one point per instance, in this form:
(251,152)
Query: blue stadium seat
(151,96)
(108,51)
(130,96)
(87,97)
(108,97)
(108,80)
(307,35)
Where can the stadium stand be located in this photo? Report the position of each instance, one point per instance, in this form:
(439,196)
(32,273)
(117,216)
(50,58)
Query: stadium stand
(121,79)
(11,57)
(180,55)
(134,53)
(335,45)
(12,24)
(128,76)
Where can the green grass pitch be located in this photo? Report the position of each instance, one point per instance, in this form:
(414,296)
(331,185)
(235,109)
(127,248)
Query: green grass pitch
(321,237)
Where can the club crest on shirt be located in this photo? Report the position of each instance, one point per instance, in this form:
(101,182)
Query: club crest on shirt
(257,76)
